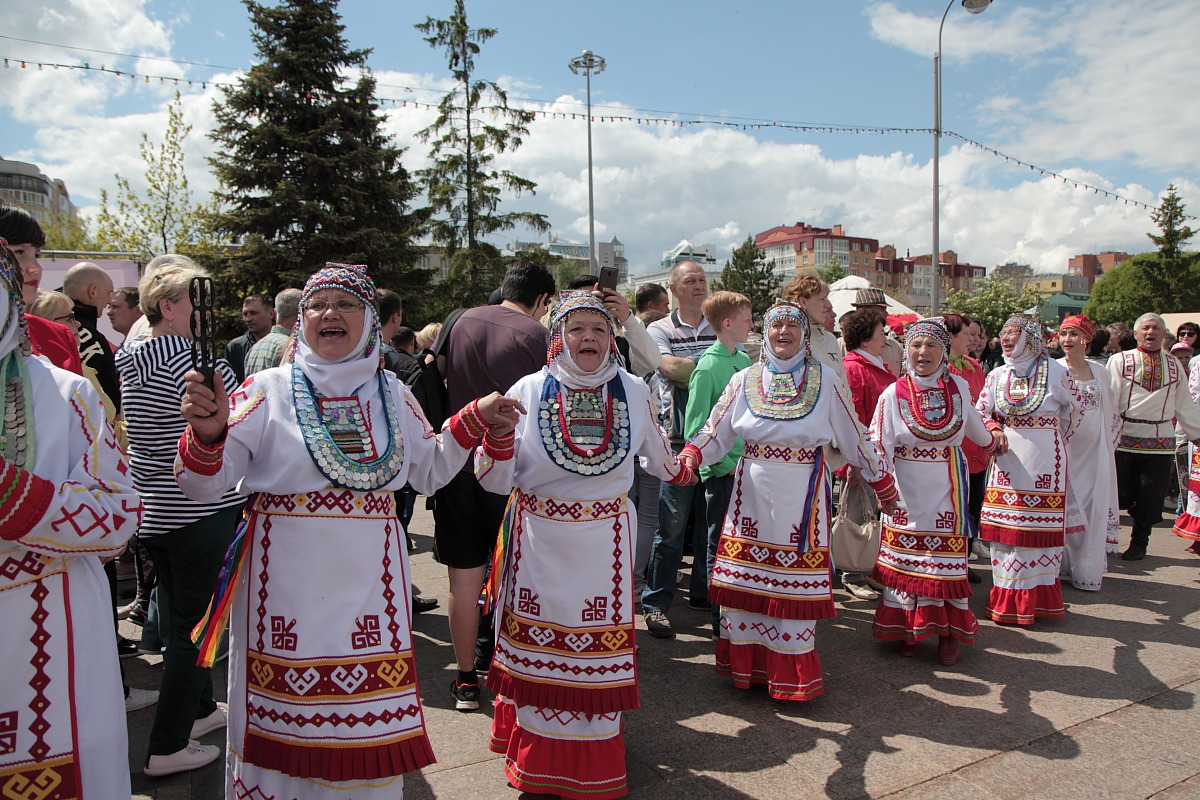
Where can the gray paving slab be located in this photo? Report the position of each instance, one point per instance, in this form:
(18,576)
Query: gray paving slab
(1101,704)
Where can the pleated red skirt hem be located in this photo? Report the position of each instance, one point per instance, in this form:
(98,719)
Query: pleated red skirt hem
(1187,526)
(899,624)
(787,677)
(339,763)
(778,607)
(1024,606)
(577,770)
(954,588)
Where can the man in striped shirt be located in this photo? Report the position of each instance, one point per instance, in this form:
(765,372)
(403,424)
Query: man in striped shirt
(682,337)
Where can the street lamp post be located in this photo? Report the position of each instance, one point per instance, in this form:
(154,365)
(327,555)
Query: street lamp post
(590,64)
(935,258)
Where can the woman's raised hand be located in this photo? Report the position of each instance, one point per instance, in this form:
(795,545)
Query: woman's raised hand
(206,410)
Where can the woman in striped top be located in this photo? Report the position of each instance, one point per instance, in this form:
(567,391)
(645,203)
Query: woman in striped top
(187,539)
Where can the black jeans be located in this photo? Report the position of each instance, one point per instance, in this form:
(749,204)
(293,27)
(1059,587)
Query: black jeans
(1142,481)
(188,560)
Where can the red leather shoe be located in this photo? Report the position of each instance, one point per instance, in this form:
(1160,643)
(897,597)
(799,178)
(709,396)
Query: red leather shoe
(907,649)
(947,652)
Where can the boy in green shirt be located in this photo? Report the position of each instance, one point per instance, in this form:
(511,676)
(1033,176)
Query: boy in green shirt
(730,316)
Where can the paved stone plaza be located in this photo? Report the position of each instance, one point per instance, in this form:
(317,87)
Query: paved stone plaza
(1101,704)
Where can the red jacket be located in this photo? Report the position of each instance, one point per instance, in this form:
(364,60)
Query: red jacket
(55,342)
(867,383)
(977,459)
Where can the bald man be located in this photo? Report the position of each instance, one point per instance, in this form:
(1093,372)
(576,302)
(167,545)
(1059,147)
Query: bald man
(89,287)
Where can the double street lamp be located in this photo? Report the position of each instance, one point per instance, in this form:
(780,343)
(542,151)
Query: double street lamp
(590,64)
(935,258)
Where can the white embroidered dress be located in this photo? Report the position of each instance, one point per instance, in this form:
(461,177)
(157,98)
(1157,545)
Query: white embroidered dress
(62,713)
(322,683)
(564,670)
(1093,480)
(771,575)
(923,549)
(1024,506)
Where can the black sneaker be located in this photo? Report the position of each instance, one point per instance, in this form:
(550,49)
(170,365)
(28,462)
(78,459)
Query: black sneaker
(126,648)
(466,695)
(657,624)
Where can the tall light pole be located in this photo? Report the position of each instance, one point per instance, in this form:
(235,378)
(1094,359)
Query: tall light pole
(935,257)
(590,64)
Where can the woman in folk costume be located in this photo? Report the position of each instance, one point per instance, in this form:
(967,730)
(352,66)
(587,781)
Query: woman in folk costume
(1188,523)
(920,425)
(1090,455)
(322,685)
(772,572)
(1024,505)
(562,578)
(66,502)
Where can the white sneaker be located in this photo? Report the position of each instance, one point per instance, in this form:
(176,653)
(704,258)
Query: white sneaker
(212,722)
(983,549)
(194,756)
(139,699)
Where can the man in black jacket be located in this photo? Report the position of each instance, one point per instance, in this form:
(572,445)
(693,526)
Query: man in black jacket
(89,288)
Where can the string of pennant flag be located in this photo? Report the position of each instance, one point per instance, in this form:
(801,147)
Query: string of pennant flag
(638,119)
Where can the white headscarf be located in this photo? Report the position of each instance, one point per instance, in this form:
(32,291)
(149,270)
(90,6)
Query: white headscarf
(562,366)
(353,373)
(1030,345)
(785,310)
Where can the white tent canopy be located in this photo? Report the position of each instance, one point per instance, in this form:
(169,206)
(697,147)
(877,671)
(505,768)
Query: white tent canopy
(842,294)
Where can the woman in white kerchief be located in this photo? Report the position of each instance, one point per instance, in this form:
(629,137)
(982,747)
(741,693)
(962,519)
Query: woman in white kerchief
(771,575)
(562,580)
(66,502)
(1024,504)
(322,683)
(920,424)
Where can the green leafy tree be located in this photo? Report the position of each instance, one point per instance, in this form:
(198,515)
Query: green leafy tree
(993,302)
(1130,289)
(162,218)
(832,272)
(1173,233)
(748,273)
(70,232)
(473,125)
(306,172)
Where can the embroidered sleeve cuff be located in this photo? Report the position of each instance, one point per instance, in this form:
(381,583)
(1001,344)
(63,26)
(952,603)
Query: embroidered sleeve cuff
(992,425)
(468,426)
(500,448)
(685,475)
(24,500)
(885,488)
(198,457)
(691,455)
(991,447)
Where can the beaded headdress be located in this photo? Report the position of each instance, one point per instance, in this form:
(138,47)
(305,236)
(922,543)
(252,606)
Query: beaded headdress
(930,326)
(14,315)
(785,309)
(1080,323)
(570,302)
(349,278)
(1031,326)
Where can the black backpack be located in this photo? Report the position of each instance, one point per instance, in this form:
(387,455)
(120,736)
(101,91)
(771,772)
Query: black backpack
(425,380)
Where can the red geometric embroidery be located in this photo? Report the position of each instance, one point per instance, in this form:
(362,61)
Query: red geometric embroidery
(1002,478)
(750,528)
(98,521)
(527,603)
(282,637)
(8,733)
(556,509)
(595,610)
(40,680)
(265,574)
(946,521)
(1043,481)
(342,501)
(368,634)
(389,594)
(900,517)
(797,532)
(30,562)
(378,502)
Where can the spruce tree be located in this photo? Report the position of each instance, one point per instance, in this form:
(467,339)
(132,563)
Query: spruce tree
(463,185)
(748,273)
(306,173)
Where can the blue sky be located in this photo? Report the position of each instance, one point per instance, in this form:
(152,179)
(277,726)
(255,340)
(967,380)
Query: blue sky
(1101,91)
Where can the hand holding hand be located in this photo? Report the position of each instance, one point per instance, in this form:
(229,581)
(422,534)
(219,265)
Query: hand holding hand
(1000,440)
(687,475)
(206,410)
(501,413)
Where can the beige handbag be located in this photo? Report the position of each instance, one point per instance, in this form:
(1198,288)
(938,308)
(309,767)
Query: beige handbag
(855,531)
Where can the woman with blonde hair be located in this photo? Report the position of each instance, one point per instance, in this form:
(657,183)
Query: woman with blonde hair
(808,291)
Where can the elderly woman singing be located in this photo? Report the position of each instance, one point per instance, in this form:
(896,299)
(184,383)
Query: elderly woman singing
(771,575)
(322,684)
(563,577)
